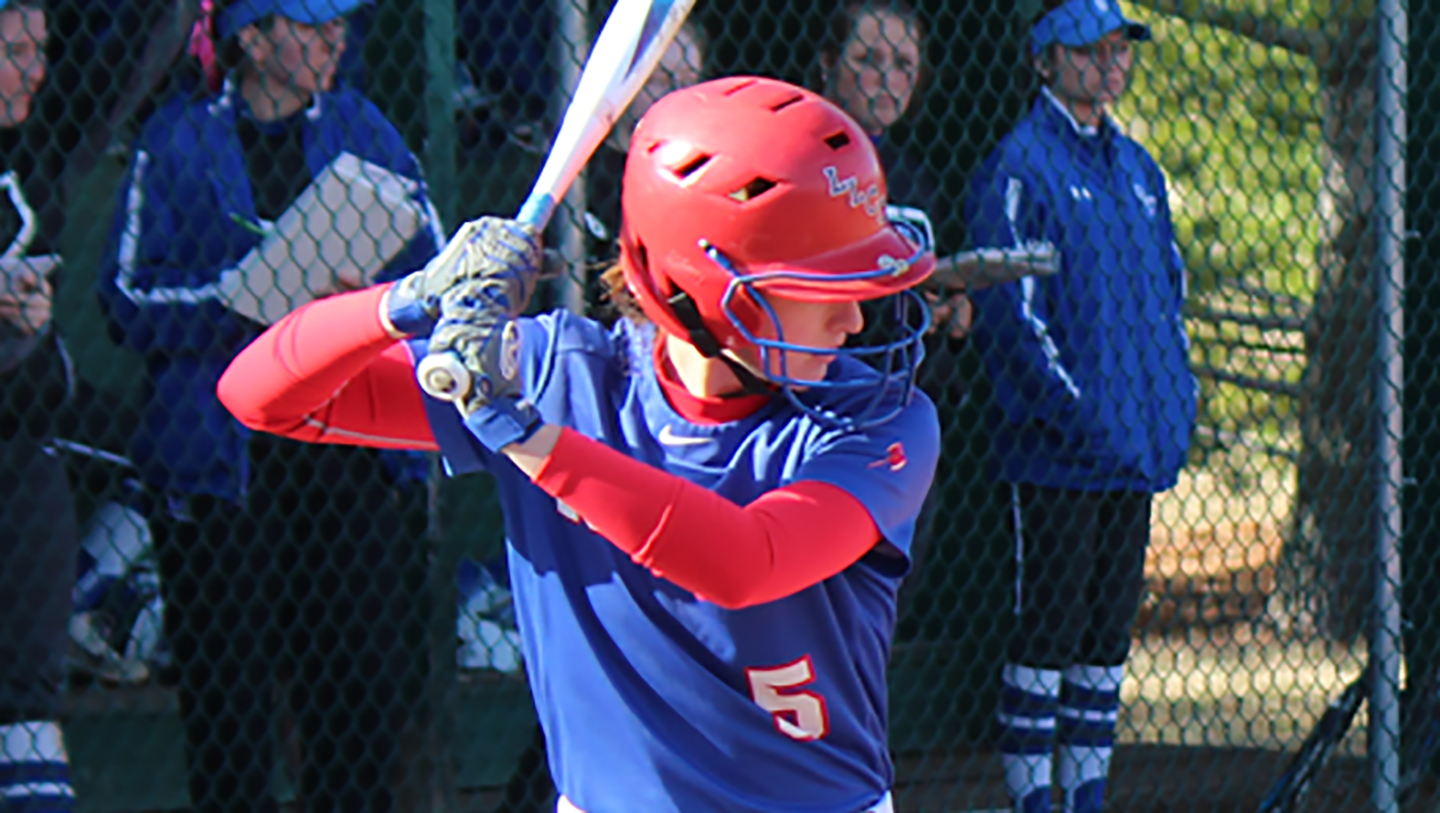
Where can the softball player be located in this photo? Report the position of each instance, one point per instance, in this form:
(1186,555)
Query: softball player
(709,506)
(273,554)
(1095,401)
(39,542)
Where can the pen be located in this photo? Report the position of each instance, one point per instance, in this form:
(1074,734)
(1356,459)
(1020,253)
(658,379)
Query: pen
(254,228)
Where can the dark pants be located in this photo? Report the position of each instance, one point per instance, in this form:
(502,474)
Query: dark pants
(1080,565)
(38,548)
(317,575)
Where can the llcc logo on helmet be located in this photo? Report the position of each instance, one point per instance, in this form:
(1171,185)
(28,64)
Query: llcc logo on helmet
(870,198)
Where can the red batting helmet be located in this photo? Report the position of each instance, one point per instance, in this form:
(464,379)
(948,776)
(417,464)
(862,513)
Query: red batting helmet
(745,186)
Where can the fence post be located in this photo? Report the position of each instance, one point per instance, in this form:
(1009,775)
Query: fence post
(1389,370)
(569,53)
(440,168)
(440,107)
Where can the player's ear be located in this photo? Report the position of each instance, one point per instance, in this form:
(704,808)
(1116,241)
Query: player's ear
(825,67)
(1043,63)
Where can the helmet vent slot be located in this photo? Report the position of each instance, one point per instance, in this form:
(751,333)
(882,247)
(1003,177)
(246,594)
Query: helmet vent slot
(753,189)
(839,140)
(741,86)
(642,257)
(784,103)
(692,166)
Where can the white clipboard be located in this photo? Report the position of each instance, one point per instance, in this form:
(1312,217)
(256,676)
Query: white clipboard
(338,235)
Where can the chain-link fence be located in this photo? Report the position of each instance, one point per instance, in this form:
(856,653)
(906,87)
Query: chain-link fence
(231,615)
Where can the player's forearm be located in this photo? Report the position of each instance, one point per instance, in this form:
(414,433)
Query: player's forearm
(300,366)
(787,540)
(530,456)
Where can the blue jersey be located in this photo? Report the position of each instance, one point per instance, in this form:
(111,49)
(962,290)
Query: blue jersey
(651,698)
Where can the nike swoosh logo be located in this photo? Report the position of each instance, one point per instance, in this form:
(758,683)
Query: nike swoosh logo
(669,438)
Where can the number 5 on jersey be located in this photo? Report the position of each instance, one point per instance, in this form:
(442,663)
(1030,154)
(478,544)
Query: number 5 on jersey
(798,714)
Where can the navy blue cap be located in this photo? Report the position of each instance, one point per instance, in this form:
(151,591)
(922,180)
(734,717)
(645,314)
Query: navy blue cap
(310,12)
(1082,22)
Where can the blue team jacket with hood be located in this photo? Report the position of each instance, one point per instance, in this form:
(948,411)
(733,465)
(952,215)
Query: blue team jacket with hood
(1090,366)
(186,214)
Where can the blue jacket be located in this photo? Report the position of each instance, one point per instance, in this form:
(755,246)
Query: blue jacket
(1090,366)
(185,215)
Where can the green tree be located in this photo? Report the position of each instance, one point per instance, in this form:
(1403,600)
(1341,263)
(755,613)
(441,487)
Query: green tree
(1306,70)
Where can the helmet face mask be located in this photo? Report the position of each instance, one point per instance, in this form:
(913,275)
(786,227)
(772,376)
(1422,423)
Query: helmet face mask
(889,345)
(743,188)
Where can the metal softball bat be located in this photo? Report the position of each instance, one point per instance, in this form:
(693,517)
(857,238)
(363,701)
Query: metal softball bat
(629,47)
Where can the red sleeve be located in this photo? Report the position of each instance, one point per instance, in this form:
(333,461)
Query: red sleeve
(330,373)
(785,541)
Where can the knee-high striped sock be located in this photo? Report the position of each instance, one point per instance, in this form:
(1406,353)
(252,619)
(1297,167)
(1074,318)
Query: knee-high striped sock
(1089,707)
(1028,700)
(34,769)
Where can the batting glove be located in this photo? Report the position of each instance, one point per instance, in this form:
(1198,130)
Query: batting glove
(479,331)
(506,254)
(502,422)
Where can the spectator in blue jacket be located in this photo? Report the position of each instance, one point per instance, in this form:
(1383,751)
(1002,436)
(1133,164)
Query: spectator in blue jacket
(273,554)
(1094,399)
(38,537)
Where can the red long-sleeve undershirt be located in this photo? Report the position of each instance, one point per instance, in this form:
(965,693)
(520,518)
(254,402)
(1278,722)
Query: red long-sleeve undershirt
(330,373)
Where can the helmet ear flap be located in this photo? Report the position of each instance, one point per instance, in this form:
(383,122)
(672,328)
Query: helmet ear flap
(682,306)
(667,295)
(662,300)
(688,313)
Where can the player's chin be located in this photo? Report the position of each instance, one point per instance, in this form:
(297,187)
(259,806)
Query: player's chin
(323,78)
(14,111)
(1115,86)
(807,369)
(883,113)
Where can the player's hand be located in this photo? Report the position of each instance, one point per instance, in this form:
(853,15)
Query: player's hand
(953,315)
(506,254)
(25,293)
(477,330)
